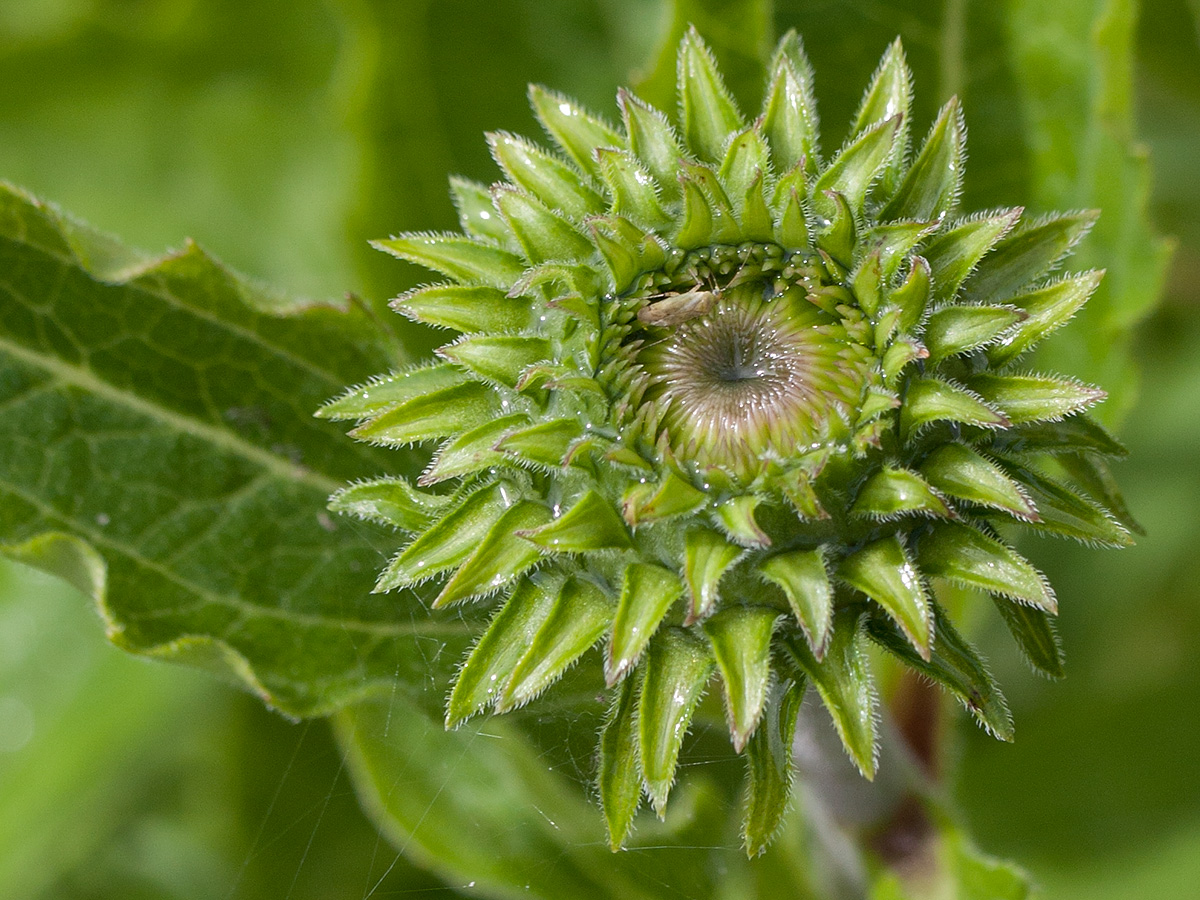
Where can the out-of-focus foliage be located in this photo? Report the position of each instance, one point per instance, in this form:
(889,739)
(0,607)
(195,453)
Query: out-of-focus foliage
(283,135)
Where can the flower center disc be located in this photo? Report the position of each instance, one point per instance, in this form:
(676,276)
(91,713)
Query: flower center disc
(757,377)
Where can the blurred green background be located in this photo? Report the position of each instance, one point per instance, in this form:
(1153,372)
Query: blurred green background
(283,135)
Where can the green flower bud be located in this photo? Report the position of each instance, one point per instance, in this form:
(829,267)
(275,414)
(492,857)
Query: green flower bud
(725,405)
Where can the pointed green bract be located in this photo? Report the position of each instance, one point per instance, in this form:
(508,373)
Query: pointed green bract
(769,765)
(707,557)
(646,595)
(466,308)
(802,576)
(953,254)
(620,775)
(957,329)
(578,619)
(967,556)
(468,261)
(544,234)
(1032,398)
(741,642)
(960,472)
(736,516)
(891,492)
(448,542)
(546,444)
(653,141)
(492,659)
(852,171)
(930,189)
(709,113)
(390,501)
(499,358)
(652,503)
(1027,254)
(544,175)
(884,573)
(956,666)
(932,400)
(1034,631)
(847,689)
(591,524)
(677,671)
(790,116)
(632,188)
(430,416)
(389,391)
(1046,310)
(477,214)
(578,132)
(500,557)
(470,452)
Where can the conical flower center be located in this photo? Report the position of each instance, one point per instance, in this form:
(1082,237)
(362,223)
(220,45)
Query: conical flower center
(754,378)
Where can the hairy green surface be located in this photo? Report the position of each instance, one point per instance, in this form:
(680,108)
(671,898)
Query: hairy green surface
(1129,675)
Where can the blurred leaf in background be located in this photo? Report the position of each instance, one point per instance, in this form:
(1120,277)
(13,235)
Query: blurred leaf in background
(284,135)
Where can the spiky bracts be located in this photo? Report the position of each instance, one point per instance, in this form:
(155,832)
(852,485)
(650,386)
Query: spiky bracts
(725,407)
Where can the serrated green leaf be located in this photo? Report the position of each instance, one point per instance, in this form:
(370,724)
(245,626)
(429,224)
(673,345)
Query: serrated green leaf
(883,571)
(205,495)
(933,400)
(544,175)
(707,557)
(677,670)
(499,559)
(574,129)
(843,679)
(769,766)
(964,555)
(458,257)
(740,637)
(477,214)
(1033,630)
(646,594)
(590,524)
(543,234)
(431,416)
(449,542)
(579,617)
(957,329)
(953,254)
(466,308)
(1032,398)
(709,113)
(959,471)
(492,660)
(802,577)
(956,666)
(390,501)
(388,391)
(931,186)
(620,777)
(500,358)
(892,492)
